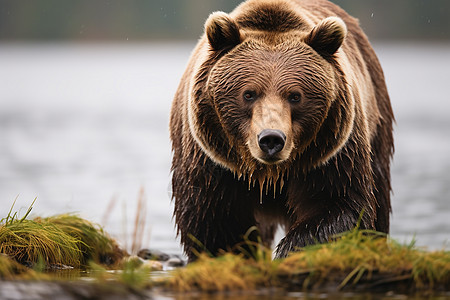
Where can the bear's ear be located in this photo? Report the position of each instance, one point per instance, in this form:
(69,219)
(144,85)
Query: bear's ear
(222,31)
(327,36)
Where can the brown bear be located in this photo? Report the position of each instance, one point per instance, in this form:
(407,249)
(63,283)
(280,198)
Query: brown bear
(282,117)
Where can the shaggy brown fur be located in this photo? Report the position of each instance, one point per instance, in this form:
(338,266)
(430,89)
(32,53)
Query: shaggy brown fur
(304,70)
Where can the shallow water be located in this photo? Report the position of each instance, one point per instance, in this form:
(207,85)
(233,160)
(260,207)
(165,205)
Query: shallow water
(302,296)
(85,127)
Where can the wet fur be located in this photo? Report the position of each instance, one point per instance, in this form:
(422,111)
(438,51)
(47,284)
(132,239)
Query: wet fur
(339,168)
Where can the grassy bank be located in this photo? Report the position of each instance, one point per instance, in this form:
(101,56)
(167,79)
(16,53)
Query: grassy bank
(357,260)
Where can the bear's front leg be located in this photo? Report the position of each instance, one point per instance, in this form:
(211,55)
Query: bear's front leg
(326,202)
(318,229)
(213,210)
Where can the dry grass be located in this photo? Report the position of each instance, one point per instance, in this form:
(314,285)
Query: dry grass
(355,257)
(59,240)
(228,272)
(360,252)
(95,245)
(28,241)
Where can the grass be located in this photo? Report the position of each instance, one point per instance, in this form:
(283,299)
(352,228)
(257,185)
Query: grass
(358,257)
(94,244)
(360,253)
(225,273)
(62,240)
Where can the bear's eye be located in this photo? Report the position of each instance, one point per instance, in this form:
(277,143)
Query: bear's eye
(249,95)
(294,97)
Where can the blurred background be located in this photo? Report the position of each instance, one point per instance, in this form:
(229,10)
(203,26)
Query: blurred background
(86,88)
(141,20)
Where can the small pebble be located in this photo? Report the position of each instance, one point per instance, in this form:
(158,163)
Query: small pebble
(59,267)
(153,265)
(175,262)
(153,255)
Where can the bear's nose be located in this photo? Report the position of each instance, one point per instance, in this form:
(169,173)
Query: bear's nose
(271,141)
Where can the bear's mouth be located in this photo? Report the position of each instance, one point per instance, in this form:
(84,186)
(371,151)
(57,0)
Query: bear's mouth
(270,160)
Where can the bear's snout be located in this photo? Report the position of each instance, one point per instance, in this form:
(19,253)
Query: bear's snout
(271,141)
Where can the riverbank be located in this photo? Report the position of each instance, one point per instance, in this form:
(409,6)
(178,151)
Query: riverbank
(73,258)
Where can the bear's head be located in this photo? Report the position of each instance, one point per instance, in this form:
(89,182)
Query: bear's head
(263,100)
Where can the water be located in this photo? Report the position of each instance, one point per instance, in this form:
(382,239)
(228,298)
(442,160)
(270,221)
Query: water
(417,76)
(84,126)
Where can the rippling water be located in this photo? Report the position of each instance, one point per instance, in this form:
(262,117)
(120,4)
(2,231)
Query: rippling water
(85,127)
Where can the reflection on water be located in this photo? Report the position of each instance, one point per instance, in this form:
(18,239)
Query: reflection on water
(273,295)
(83,124)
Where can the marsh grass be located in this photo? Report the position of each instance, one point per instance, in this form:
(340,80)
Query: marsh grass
(225,273)
(130,274)
(355,258)
(28,241)
(63,240)
(136,238)
(362,255)
(94,243)
(358,258)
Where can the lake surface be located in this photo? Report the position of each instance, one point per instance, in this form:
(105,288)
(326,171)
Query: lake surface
(85,127)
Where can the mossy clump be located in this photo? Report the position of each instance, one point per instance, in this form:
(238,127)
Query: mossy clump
(95,245)
(357,258)
(224,273)
(370,257)
(28,241)
(62,240)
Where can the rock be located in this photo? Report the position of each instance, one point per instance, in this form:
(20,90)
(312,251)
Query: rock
(175,262)
(59,267)
(153,255)
(168,261)
(153,265)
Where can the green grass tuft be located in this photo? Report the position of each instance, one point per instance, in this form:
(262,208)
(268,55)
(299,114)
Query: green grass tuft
(95,245)
(28,241)
(59,240)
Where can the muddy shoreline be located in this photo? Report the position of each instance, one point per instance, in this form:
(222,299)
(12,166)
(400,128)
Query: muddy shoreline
(65,290)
